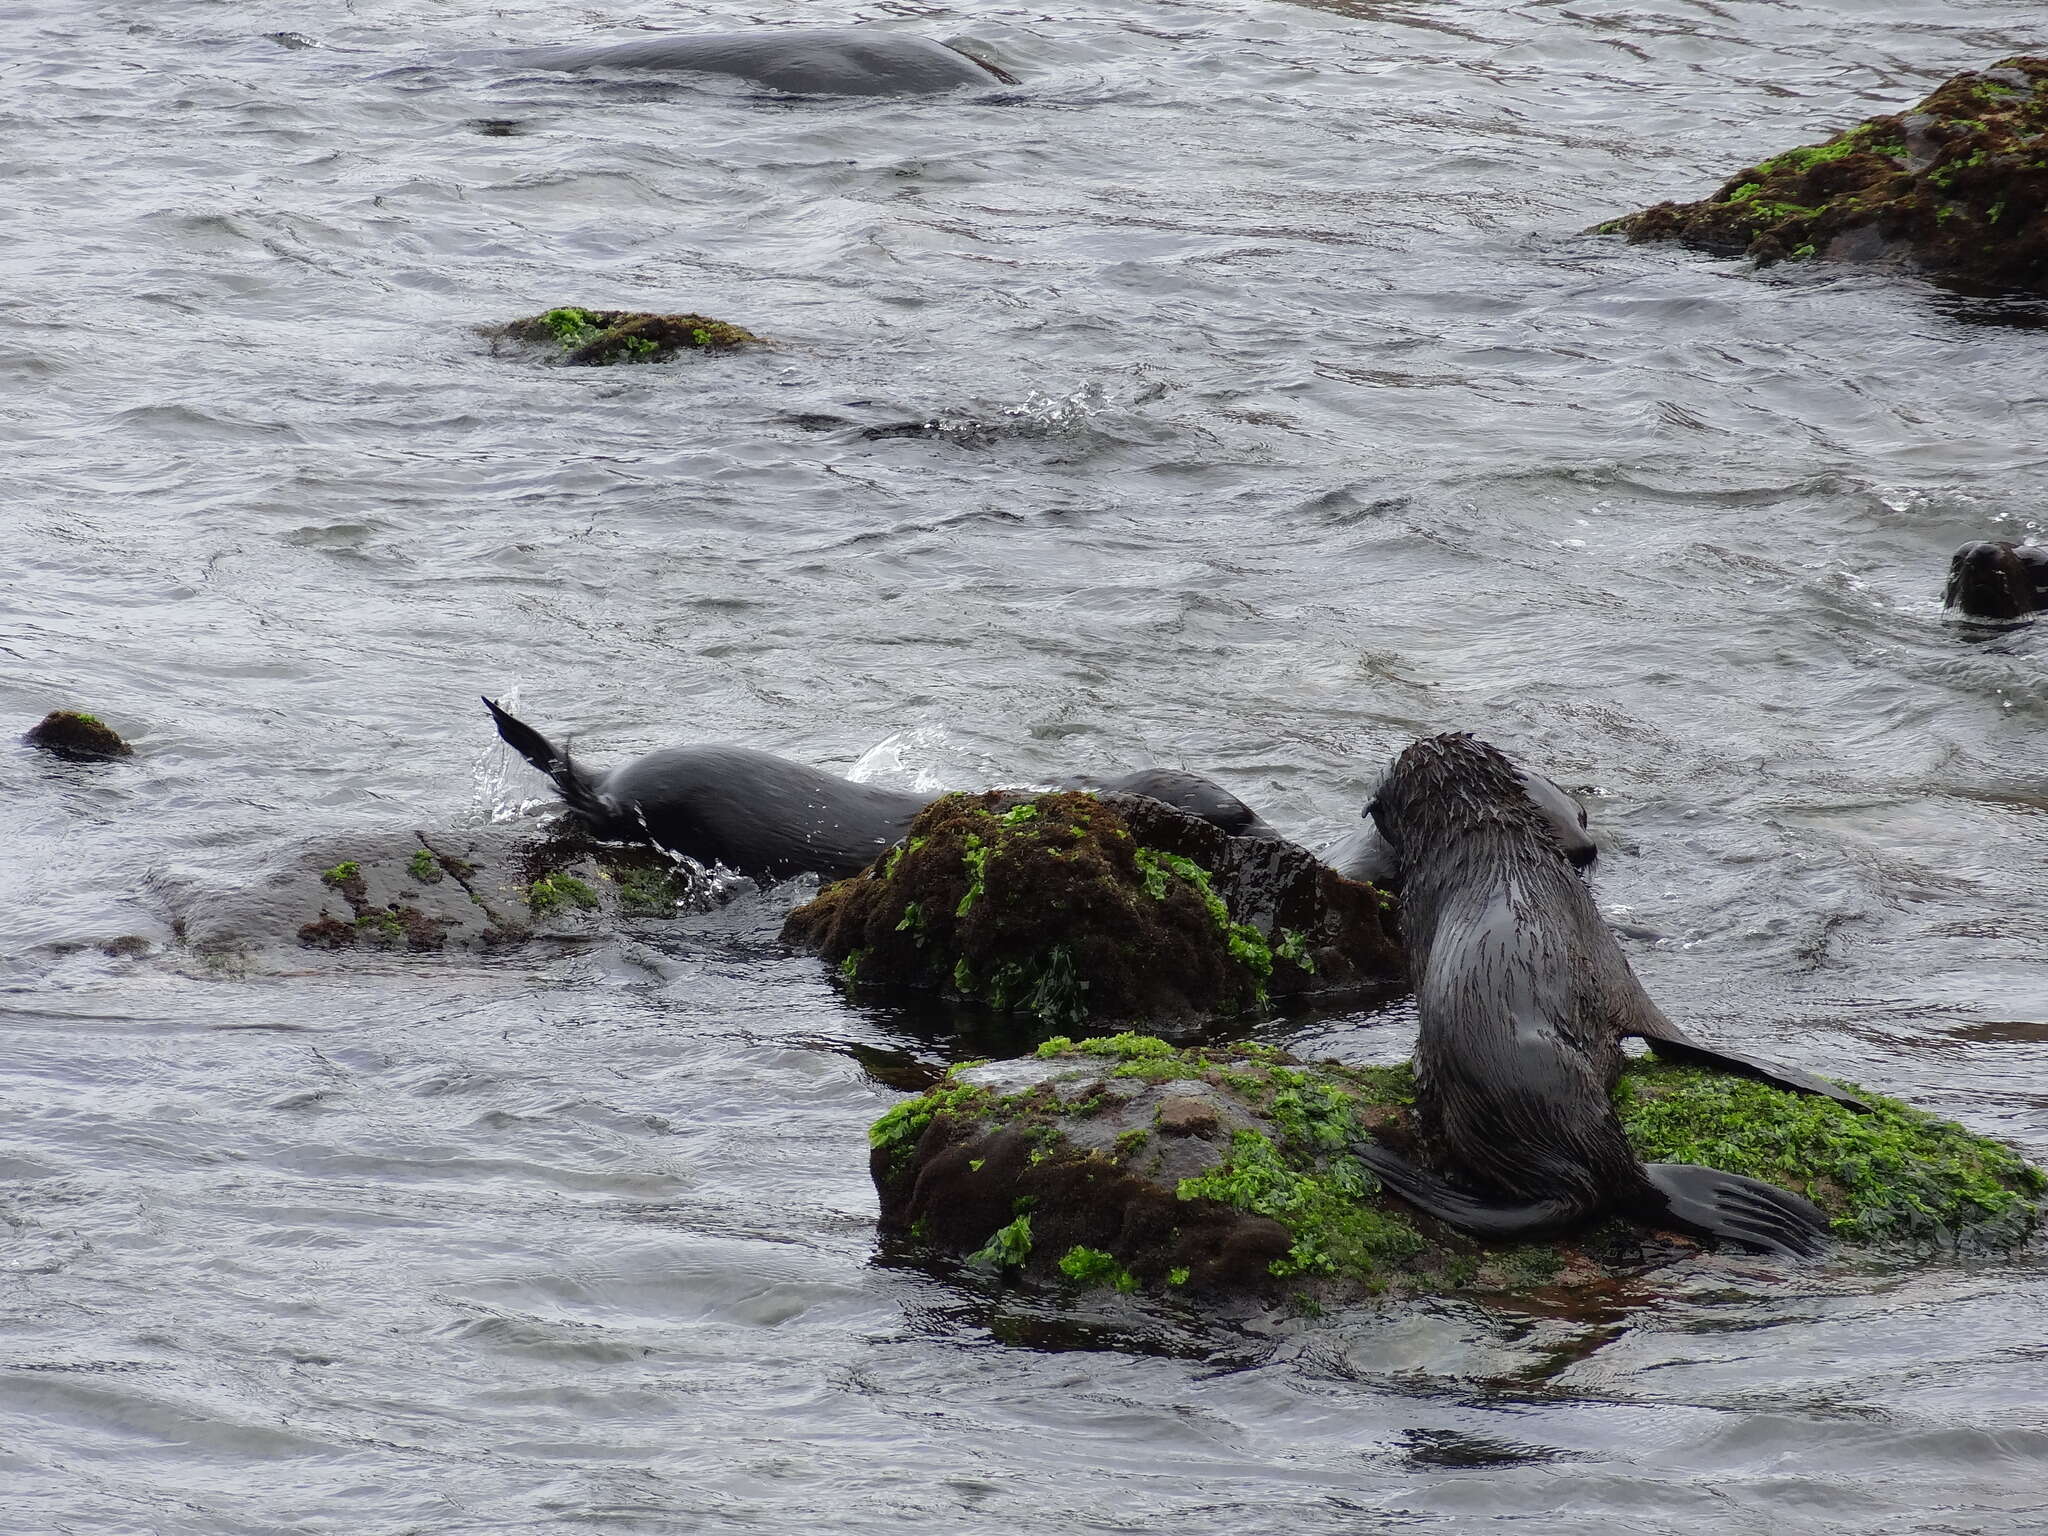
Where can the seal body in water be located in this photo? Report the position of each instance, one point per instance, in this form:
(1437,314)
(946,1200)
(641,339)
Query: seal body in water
(837,61)
(750,811)
(766,816)
(1524,998)
(1364,854)
(1998,579)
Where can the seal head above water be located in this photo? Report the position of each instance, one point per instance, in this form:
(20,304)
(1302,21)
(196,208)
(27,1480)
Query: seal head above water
(805,61)
(1998,579)
(1524,997)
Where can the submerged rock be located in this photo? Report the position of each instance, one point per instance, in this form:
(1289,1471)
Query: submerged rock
(80,737)
(591,337)
(1224,1169)
(1081,910)
(1957,185)
(421,891)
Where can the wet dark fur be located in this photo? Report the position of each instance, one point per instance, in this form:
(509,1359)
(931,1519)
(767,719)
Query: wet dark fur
(1524,998)
(1364,854)
(749,811)
(763,815)
(1998,579)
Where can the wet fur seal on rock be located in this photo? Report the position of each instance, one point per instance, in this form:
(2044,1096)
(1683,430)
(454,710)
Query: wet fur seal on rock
(1524,997)
(805,61)
(1998,579)
(1364,854)
(1189,792)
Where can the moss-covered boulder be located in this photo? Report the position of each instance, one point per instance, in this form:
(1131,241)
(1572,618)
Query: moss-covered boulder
(79,737)
(1957,185)
(1082,911)
(427,891)
(1226,1170)
(592,337)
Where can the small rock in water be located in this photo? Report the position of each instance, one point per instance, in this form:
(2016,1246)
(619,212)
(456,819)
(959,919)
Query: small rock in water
(80,737)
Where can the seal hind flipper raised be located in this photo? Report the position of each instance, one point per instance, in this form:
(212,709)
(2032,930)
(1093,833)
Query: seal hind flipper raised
(575,786)
(1468,1213)
(1744,1210)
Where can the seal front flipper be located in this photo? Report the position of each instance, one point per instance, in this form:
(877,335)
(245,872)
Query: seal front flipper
(1468,1213)
(1744,1210)
(576,787)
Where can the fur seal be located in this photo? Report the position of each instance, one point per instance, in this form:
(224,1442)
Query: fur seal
(750,811)
(1998,579)
(1524,997)
(766,816)
(1364,854)
(822,61)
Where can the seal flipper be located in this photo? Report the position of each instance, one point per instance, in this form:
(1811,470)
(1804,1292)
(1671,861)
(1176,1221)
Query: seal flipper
(575,786)
(1692,1053)
(1744,1210)
(1468,1213)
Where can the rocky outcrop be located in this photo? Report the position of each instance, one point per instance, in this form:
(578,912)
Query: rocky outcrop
(592,337)
(81,738)
(1227,1171)
(1082,911)
(428,891)
(1956,185)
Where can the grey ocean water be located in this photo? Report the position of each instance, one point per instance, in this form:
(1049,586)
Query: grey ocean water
(1279,413)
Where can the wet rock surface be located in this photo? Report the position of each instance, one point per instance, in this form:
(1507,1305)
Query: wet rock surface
(1225,1171)
(1956,185)
(420,891)
(1080,911)
(593,337)
(77,737)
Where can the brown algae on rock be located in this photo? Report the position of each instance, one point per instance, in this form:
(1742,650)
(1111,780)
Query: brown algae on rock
(1227,1169)
(592,337)
(1956,185)
(79,737)
(1080,911)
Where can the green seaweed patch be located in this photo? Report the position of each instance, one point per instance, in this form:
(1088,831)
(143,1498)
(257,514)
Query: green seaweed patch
(1007,1248)
(342,873)
(551,893)
(1092,1266)
(647,891)
(1894,1174)
(1326,1210)
(423,867)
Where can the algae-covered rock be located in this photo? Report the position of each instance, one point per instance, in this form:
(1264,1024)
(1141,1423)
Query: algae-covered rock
(1080,910)
(1226,1169)
(1957,185)
(426,891)
(590,337)
(82,738)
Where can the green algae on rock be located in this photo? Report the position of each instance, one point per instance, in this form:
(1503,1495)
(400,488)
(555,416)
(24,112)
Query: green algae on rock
(1956,186)
(79,737)
(1228,1170)
(592,337)
(1080,911)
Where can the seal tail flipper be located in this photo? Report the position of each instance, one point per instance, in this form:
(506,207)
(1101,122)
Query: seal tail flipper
(1744,1210)
(1468,1213)
(1679,1047)
(575,786)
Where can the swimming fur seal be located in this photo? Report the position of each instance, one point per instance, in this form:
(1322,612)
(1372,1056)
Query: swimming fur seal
(1524,998)
(750,811)
(1364,854)
(836,61)
(1998,579)
(766,816)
